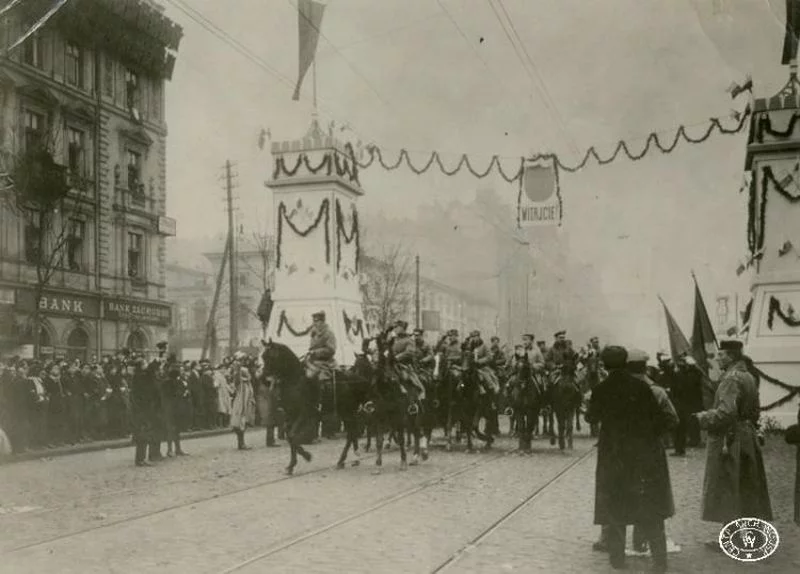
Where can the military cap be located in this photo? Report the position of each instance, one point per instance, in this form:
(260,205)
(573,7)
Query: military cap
(731,345)
(475,333)
(318,316)
(637,356)
(495,338)
(560,334)
(161,345)
(614,357)
(529,336)
(453,332)
(419,331)
(401,323)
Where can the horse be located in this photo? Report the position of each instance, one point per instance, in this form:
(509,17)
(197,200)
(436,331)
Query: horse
(352,387)
(474,404)
(449,380)
(298,396)
(395,411)
(526,395)
(565,399)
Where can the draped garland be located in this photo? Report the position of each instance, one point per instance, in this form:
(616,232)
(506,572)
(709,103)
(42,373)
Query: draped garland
(330,162)
(348,324)
(341,233)
(324,212)
(284,322)
(621,148)
(775,309)
(756,232)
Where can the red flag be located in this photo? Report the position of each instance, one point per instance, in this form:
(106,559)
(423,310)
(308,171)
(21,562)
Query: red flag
(704,341)
(309,22)
(678,344)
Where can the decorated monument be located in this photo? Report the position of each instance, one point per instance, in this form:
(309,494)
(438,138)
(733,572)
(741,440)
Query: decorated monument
(315,190)
(773,164)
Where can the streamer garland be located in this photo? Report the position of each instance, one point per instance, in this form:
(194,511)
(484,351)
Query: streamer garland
(284,322)
(324,211)
(330,163)
(775,309)
(348,324)
(756,232)
(621,147)
(765,126)
(782,401)
(341,233)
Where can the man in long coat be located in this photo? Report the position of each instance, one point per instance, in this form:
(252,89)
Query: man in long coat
(145,410)
(632,479)
(735,484)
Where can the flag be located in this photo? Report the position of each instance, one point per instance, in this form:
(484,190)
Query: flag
(678,344)
(704,342)
(309,19)
(790,36)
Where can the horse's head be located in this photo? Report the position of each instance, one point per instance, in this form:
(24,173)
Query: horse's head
(279,360)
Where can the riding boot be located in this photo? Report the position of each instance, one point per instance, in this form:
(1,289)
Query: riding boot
(658,545)
(270,435)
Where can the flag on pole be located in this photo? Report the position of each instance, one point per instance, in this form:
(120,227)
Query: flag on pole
(791,33)
(678,344)
(309,19)
(704,341)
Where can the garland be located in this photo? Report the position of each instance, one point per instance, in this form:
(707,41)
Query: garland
(324,211)
(341,232)
(775,309)
(329,162)
(781,402)
(284,322)
(348,323)
(765,125)
(756,233)
(621,147)
(793,390)
(769,177)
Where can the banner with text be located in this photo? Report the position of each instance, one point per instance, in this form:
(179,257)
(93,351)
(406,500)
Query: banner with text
(539,197)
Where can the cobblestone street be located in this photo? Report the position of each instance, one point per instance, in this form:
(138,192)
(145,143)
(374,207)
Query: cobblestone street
(221,510)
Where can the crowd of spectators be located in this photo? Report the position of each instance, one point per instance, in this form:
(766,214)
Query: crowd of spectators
(47,404)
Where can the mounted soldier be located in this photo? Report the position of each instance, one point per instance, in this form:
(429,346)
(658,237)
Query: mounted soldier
(483,361)
(424,357)
(404,353)
(320,360)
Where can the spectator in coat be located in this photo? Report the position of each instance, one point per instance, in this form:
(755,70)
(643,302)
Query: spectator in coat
(735,483)
(243,409)
(224,391)
(632,483)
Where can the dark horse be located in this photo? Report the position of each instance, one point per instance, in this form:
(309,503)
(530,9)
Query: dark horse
(473,405)
(298,397)
(395,411)
(565,399)
(526,395)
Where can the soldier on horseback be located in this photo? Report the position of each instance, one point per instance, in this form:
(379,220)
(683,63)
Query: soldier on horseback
(404,352)
(483,362)
(425,356)
(320,360)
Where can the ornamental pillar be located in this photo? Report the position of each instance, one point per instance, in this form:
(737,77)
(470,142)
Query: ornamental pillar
(773,163)
(315,188)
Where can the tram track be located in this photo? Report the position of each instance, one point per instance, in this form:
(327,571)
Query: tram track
(420,487)
(178,506)
(497,524)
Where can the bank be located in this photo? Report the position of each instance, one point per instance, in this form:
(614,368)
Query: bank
(79,325)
